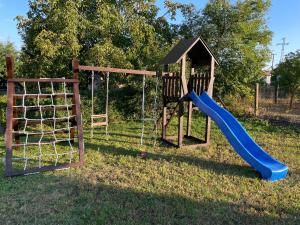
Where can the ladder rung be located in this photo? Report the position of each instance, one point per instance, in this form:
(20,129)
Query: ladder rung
(99,124)
(99,116)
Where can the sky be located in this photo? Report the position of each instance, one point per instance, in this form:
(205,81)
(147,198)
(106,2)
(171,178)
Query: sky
(283,20)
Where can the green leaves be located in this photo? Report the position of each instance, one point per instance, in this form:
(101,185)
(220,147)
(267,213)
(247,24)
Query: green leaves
(102,32)
(238,35)
(288,73)
(7,48)
(130,34)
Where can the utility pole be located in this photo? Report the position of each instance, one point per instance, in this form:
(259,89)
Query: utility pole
(272,67)
(275,83)
(283,43)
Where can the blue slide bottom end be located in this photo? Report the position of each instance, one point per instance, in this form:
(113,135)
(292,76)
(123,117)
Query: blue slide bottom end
(269,168)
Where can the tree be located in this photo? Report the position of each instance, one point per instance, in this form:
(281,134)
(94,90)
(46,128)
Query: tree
(114,33)
(238,35)
(101,32)
(288,73)
(7,48)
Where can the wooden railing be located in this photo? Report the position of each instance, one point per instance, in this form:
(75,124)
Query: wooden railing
(171,87)
(199,82)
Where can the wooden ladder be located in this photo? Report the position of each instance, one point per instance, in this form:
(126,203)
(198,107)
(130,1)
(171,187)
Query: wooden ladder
(99,124)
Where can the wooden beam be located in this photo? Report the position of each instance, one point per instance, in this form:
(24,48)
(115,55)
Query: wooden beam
(42,80)
(45,108)
(212,78)
(38,121)
(42,96)
(183,76)
(117,70)
(43,169)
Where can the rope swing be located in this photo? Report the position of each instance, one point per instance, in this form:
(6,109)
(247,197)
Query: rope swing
(154,111)
(143,102)
(99,116)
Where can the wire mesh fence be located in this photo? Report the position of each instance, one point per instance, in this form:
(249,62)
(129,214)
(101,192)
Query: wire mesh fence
(275,103)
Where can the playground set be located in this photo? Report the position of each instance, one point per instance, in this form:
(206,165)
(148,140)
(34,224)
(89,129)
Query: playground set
(45,125)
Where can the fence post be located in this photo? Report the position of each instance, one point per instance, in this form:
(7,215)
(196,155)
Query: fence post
(256,99)
(276,93)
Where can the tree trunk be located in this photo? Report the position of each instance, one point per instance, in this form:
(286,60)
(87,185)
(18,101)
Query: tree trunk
(291,100)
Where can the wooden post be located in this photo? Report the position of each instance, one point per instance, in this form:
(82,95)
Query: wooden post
(76,111)
(180,123)
(164,112)
(9,115)
(75,65)
(210,93)
(190,110)
(183,92)
(166,68)
(106,103)
(256,99)
(183,77)
(10,75)
(276,92)
(164,122)
(189,119)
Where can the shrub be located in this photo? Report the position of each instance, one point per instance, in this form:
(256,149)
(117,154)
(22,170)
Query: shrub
(3,100)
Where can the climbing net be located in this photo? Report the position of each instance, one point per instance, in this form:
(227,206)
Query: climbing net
(44,123)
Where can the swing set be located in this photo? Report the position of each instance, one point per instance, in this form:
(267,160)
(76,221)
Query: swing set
(107,71)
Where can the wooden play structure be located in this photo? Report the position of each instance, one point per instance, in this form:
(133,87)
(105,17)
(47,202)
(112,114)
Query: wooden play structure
(44,130)
(197,65)
(38,136)
(176,86)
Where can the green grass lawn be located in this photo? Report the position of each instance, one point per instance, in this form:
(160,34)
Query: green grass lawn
(171,186)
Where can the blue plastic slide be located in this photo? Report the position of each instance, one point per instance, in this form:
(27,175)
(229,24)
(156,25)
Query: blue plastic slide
(269,168)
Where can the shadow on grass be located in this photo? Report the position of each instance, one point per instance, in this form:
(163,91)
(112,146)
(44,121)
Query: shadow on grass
(127,136)
(118,134)
(119,138)
(217,167)
(57,198)
(273,122)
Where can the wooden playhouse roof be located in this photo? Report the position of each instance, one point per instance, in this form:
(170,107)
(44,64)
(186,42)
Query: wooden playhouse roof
(196,49)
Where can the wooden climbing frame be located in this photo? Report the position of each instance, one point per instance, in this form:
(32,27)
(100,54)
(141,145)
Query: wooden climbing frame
(14,121)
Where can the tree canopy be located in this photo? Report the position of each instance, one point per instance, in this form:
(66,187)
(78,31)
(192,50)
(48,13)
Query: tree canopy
(7,48)
(102,32)
(288,73)
(131,34)
(238,35)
